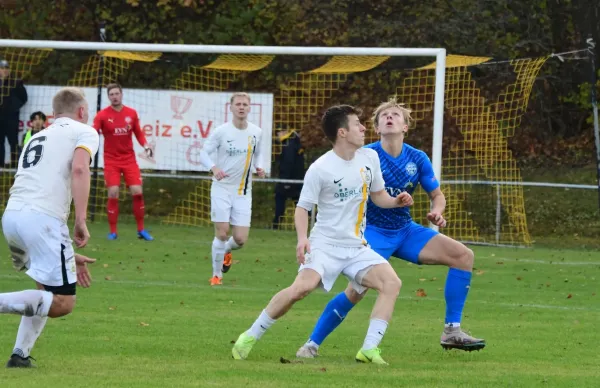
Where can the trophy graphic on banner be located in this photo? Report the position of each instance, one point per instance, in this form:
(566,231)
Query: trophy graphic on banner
(180,105)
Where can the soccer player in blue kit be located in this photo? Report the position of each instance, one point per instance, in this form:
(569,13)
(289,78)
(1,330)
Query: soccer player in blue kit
(392,232)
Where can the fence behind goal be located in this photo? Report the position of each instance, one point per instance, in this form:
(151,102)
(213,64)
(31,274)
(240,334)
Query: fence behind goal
(181,97)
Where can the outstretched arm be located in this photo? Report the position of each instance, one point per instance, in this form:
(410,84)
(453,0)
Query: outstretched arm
(382,199)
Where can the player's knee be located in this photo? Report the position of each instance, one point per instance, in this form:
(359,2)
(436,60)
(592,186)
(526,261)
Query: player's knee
(113,192)
(61,305)
(240,240)
(299,290)
(354,296)
(464,259)
(392,285)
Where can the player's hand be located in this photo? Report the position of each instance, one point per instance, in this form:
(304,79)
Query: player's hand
(218,173)
(260,172)
(81,235)
(148,151)
(404,199)
(302,248)
(84,278)
(437,219)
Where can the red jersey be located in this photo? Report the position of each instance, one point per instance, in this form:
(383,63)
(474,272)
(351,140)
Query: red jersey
(116,127)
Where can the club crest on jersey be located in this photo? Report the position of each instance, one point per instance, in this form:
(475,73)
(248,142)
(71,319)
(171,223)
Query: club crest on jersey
(128,119)
(411,168)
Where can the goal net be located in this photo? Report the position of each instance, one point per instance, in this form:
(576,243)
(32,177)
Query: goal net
(182,96)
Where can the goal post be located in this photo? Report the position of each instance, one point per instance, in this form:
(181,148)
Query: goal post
(462,123)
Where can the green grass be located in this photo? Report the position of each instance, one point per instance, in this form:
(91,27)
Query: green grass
(151,320)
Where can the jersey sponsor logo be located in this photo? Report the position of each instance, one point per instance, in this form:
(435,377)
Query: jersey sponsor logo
(393,191)
(335,182)
(122,131)
(411,168)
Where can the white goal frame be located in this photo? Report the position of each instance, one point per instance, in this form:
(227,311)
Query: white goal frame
(438,53)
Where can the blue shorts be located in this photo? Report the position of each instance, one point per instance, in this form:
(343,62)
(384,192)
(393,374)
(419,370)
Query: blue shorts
(405,243)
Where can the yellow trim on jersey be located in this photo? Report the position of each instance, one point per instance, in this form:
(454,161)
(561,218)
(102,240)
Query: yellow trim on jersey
(361,207)
(87,149)
(246,166)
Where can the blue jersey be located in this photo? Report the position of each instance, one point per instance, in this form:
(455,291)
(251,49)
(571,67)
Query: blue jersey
(400,174)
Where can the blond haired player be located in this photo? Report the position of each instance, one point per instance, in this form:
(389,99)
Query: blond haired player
(53,171)
(339,183)
(237,147)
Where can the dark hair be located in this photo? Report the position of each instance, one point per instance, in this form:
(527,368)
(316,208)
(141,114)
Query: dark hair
(335,118)
(112,86)
(34,115)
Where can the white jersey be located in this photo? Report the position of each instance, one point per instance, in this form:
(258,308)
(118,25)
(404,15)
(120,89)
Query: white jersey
(43,179)
(237,153)
(340,189)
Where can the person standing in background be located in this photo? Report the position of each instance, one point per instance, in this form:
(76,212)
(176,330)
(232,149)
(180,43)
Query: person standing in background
(13,97)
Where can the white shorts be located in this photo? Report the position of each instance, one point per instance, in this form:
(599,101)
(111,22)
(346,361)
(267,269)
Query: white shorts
(330,261)
(40,244)
(226,206)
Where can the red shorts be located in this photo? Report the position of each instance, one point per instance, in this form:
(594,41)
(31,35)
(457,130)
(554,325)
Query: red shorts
(131,173)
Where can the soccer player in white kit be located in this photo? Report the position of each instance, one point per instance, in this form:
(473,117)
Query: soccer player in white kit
(53,171)
(339,183)
(237,145)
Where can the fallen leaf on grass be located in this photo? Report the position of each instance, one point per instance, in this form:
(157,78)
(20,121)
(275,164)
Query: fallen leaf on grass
(322,369)
(279,269)
(519,278)
(111,308)
(422,279)
(105,265)
(569,296)
(286,361)
(144,324)
(235,261)
(421,292)
(107,278)
(499,262)
(480,272)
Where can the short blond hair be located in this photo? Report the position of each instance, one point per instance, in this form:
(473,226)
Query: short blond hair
(240,94)
(67,100)
(393,103)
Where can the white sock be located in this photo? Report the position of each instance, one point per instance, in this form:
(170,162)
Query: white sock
(27,303)
(311,344)
(377,329)
(452,324)
(231,245)
(260,326)
(29,331)
(218,253)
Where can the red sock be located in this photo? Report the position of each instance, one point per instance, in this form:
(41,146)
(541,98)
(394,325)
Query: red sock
(138,211)
(112,210)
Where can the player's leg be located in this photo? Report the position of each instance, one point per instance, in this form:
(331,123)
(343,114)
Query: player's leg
(38,234)
(320,267)
(221,202)
(241,216)
(381,241)
(112,179)
(133,179)
(372,271)
(437,249)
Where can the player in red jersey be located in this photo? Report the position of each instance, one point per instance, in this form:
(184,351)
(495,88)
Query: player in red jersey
(116,123)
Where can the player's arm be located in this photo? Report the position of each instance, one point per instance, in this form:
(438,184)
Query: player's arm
(211,145)
(258,163)
(431,185)
(97,124)
(80,182)
(139,135)
(308,198)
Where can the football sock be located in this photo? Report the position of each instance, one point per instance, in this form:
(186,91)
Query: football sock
(334,313)
(377,329)
(218,253)
(260,326)
(139,211)
(112,212)
(458,283)
(231,245)
(29,331)
(27,303)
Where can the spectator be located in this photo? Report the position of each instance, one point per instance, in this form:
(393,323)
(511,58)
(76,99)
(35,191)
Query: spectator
(38,121)
(13,97)
(291,166)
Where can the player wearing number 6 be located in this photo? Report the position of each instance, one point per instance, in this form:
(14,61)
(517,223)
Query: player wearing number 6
(392,232)
(53,171)
(117,123)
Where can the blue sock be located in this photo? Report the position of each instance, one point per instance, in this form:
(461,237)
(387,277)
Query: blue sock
(458,283)
(335,312)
